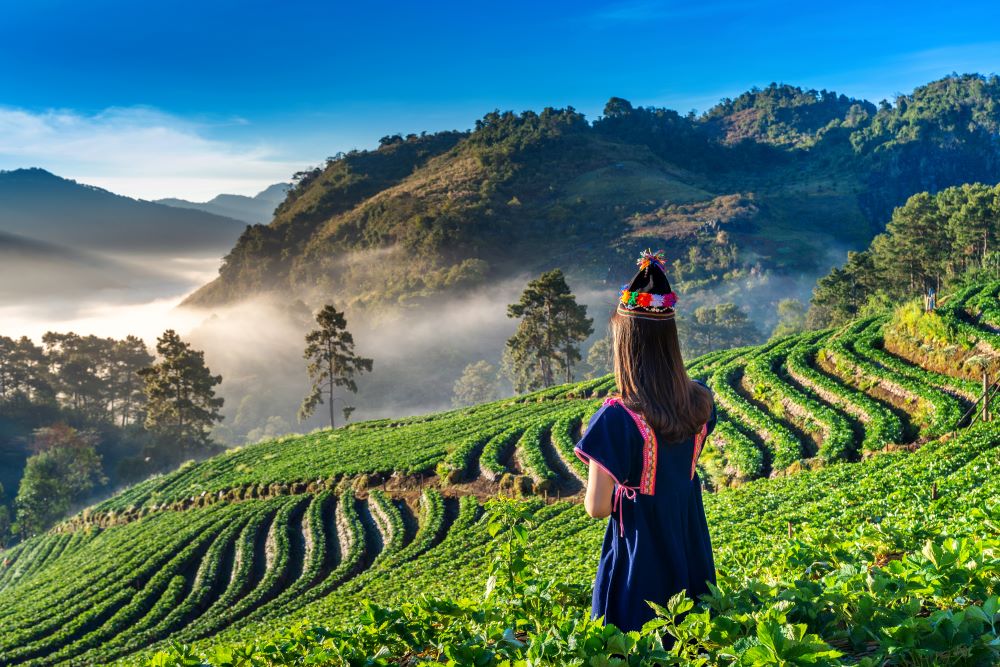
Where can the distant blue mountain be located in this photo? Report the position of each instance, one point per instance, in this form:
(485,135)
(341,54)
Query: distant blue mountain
(39,205)
(258,209)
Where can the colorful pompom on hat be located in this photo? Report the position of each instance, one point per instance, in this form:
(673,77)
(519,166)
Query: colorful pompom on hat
(648,295)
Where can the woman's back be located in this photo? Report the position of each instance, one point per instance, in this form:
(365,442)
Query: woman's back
(641,454)
(655,545)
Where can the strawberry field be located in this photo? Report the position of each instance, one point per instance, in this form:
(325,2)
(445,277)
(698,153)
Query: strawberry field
(853,518)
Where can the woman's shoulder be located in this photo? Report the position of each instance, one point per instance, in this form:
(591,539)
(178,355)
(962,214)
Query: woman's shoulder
(614,414)
(612,408)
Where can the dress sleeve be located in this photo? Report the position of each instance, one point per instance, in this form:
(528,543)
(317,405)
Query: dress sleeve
(610,440)
(714,417)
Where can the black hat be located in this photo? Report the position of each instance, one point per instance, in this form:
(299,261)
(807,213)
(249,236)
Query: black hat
(648,295)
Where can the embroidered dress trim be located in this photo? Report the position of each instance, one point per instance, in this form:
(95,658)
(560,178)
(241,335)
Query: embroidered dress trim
(647,480)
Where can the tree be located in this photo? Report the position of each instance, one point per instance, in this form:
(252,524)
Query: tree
(716,327)
(24,369)
(181,405)
(128,357)
(332,362)
(552,327)
(80,366)
(791,318)
(4,520)
(63,470)
(617,107)
(599,358)
(839,296)
(478,384)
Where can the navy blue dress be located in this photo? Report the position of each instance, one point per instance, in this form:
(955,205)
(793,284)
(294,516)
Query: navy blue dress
(661,545)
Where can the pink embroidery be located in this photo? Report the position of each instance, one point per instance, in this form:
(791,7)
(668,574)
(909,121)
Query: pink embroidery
(647,479)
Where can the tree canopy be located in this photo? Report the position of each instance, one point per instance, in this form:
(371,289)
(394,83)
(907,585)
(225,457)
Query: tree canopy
(549,334)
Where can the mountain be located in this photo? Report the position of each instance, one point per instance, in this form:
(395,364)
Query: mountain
(38,274)
(840,476)
(38,205)
(256,209)
(779,181)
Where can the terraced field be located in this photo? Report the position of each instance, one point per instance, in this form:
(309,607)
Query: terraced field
(310,525)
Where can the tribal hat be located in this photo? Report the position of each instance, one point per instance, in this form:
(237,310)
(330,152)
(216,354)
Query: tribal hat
(648,295)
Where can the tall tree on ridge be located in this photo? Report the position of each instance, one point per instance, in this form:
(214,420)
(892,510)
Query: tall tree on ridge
(549,335)
(180,397)
(332,362)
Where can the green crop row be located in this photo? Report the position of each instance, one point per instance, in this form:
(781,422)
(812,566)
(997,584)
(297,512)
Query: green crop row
(739,450)
(838,436)
(496,450)
(98,624)
(784,447)
(565,435)
(528,451)
(870,346)
(881,425)
(945,409)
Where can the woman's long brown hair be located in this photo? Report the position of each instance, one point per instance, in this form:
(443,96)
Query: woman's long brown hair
(651,378)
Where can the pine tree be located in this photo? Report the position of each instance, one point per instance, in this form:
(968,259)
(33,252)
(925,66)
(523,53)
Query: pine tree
(128,357)
(549,335)
(180,399)
(332,362)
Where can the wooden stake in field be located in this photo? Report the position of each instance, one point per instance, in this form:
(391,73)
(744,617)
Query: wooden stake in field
(986,397)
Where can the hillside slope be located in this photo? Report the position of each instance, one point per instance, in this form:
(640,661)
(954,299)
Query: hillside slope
(824,433)
(779,179)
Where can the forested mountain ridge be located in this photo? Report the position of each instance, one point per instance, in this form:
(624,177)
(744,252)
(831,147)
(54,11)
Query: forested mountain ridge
(785,173)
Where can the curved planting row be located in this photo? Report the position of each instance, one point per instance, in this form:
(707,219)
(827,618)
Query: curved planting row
(870,346)
(492,463)
(460,464)
(565,434)
(944,409)
(980,325)
(783,446)
(881,425)
(837,439)
(356,567)
(742,454)
(90,578)
(66,635)
(531,459)
(211,569)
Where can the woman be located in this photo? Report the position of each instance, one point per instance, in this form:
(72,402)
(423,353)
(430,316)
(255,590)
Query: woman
(641,447)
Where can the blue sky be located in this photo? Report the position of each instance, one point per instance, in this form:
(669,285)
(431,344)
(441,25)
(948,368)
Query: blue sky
(194,98)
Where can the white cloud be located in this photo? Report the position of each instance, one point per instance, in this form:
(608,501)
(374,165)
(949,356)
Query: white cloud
(139,151)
